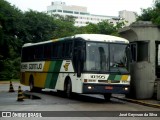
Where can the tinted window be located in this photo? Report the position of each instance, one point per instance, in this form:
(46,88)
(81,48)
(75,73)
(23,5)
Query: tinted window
(47,51)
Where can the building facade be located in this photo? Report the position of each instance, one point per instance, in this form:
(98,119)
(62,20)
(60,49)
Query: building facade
(82,17)
(128,16)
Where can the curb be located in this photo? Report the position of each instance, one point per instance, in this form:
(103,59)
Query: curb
(7,82)
(139,102)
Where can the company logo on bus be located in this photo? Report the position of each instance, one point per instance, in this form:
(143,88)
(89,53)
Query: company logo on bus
(32,66)
(66,66)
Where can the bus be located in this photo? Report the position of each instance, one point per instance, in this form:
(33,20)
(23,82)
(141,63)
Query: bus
(83,64)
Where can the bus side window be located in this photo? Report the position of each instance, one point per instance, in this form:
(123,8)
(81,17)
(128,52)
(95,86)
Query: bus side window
(54,50)
(31,53)
(60,50)
(47,51)
(38,52)
(67,49)
(24,55)
(57,50)
(27,54)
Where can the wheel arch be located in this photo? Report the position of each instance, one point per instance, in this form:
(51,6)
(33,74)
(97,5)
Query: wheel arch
(31,79)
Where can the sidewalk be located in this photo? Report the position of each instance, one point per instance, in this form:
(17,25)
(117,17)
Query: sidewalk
(148,102)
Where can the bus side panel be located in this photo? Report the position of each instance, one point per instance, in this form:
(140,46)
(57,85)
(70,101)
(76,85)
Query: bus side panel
(23,78)
(39,79)
(26,78)
(60,81)
(47,78)
(53,72)
(66,70)
(76,82)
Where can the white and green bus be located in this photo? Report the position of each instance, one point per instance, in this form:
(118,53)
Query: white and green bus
(84,63)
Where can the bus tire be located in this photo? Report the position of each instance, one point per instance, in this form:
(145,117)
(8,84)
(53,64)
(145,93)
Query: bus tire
(107,97)
(31,85)
(34,89)
(68,88)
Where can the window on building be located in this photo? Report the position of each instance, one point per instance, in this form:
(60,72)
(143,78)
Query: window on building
(76,12)
(59,10)
(83,13)
(139,50)
(134,51)
(66,11)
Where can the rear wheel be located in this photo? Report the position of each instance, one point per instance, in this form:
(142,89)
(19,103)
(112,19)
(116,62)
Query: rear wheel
(31,85)
(34,89)
(107,96)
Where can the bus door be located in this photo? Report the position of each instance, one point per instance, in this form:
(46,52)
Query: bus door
(78,57)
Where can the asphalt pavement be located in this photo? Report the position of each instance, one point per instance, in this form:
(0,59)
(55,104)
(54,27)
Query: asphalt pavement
(148,102)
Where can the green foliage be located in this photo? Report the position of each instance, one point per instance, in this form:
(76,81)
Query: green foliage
(9,25)
(151,13)
(103,27)
(37,27)
(64,27)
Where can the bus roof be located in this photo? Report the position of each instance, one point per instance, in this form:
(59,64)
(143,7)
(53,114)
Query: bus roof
(87,37)
(102,38)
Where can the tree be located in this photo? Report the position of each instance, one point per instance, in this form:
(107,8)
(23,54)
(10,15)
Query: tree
(64,26)
(103,27)
(38,27)
(9,27)
(151,13)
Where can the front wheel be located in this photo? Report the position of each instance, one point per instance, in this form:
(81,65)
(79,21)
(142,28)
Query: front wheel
(107,96)
(68,89)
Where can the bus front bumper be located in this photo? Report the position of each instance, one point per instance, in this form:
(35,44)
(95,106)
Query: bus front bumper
(105,88)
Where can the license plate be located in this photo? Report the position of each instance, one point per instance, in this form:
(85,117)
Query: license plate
(108,87)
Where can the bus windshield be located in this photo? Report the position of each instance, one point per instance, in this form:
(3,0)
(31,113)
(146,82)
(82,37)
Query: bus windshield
(103,57)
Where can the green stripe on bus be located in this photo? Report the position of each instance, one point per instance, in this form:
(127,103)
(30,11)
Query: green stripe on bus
(118,77)
(56,69)
(48,80)
(51,79)
(111,77)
